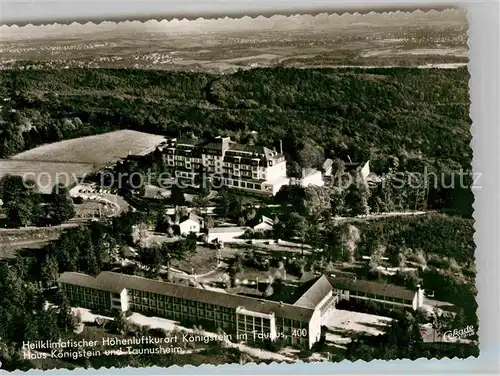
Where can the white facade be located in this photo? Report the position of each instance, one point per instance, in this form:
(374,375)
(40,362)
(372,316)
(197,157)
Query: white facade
(418,300)
(190,225)
(120,301)
(310,176)
(277,169)
(266,224)
(365,170)
(255,326)
(273,187)
(313,177)
(315,327)
(225,234)
(415,303)
(246,167)
(327,167)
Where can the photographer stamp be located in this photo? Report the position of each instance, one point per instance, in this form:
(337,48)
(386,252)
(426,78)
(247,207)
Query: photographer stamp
(236,190)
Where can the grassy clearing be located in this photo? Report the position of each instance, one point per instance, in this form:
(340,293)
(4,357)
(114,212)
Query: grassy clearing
(46,174)
(98,150)
(202,261)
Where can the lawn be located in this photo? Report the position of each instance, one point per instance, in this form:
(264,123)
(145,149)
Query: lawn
(45,174)
(99,150)
(202,261)
(91,209)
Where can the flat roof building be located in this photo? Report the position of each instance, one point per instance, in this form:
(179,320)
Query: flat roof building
(249,319)
(384,293)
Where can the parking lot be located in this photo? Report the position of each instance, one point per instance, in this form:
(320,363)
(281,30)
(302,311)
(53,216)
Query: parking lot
(343,326)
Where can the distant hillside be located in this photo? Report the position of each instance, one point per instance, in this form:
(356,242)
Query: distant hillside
(418,115)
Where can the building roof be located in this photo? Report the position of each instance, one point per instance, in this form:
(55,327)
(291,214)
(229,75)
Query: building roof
(255,149)
(219,143)
(101,282)
(263,221)
(192,217)
(315,294)
(187,140)
(213,146)
(309,172)
(226,230)
(371,287)
(116,282)
(327,164)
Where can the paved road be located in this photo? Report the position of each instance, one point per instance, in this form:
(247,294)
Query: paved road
(119,201)
(383,215)
(211,276)
(71,223)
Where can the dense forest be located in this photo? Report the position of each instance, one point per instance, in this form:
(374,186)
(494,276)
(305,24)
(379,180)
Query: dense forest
(401,119)
(419,116)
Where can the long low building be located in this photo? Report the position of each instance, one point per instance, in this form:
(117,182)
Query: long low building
(381,293)
(250,319)
(225,234)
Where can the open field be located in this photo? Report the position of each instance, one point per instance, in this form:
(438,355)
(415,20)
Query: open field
(45,174)
(98,150)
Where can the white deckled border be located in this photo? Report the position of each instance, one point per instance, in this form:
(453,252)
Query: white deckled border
(484,66)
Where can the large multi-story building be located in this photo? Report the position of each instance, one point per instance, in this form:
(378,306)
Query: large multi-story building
(224,162)
(249,319)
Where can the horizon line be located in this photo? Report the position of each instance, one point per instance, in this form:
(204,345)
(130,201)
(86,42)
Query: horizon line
(192,16)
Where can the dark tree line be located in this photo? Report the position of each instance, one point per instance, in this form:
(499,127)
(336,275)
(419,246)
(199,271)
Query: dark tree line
(23,205)
(416,115)
(24,315)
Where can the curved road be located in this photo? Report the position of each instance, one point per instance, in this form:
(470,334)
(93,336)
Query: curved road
(211,276)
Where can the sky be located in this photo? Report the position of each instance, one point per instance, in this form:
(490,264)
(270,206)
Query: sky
(21,12)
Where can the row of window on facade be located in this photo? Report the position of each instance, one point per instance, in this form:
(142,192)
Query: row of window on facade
(152,298)
(86,290)
(183,312)
(242,184)
(167,306)
(87,298)
(379,297)
(227,161)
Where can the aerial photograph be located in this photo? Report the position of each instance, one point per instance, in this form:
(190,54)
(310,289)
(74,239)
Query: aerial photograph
(236,190)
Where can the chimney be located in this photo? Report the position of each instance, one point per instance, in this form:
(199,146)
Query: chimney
(303,173)
(281,147)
